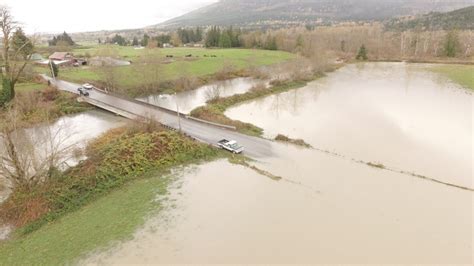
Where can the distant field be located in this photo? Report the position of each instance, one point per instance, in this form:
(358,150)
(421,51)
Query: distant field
(461,74)
(27,87)
(199,65)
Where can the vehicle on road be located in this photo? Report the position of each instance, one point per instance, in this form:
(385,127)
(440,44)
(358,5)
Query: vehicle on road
(83,92)
(87,86)
(230,145)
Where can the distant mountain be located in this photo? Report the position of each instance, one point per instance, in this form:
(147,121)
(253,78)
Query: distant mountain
(261,13)
(457,19)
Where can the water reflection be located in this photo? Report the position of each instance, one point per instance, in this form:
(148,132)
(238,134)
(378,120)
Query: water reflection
(189,100)
(397,114)
(65,136)
(223,213)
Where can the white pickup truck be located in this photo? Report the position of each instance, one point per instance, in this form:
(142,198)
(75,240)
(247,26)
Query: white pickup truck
(88,86)
(230,145)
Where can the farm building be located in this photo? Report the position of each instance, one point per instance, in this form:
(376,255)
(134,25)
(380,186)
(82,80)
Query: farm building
(61,56)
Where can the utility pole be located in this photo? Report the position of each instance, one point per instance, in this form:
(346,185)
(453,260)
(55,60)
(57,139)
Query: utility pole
(52,70)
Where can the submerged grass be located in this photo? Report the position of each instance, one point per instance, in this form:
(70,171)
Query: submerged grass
(297,142)
(244,161)
(215,109)
(461,74)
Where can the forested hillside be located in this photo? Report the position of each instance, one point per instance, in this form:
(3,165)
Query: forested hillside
(277,13)
(458,19)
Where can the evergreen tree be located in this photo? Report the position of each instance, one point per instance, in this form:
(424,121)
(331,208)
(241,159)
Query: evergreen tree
(62,39)
(299,41)
(198,34)
(212,37)
(270,43)
(162,39)
(135,41)
(362,54)
(55,69)
(118,39)
(21,44)
(225,40)
(235,36)
(451,44)
(7,92)
(145,40)
(183,35)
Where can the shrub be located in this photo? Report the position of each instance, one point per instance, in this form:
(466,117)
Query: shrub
(50,94)
(115,158)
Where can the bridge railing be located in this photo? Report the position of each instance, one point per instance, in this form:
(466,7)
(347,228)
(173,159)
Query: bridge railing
(183,115)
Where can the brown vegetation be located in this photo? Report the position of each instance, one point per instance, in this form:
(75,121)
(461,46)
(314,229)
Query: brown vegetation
(42,105)
(298,142)
(214,110)
(344,42)
(28,158)
(116,157)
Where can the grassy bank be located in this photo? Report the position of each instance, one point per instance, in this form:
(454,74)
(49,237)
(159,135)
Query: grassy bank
(29,87)
(110,218)
(215,109)
(104,198)
(461,74)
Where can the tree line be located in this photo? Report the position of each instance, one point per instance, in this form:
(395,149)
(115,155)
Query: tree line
(372,41)
(145,41)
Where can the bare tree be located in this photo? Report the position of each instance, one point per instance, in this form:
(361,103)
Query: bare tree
(110,76)
(28,158)
(212,93)
(16,53)
(151,70)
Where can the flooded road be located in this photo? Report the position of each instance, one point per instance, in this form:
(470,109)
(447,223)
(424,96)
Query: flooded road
(329,209)
(189,100)
(400,115)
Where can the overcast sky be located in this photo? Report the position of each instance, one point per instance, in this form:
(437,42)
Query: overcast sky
(54,16)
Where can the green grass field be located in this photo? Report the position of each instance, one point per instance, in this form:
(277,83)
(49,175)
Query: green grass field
(134,76)
(461,74)
(113,217)
(27,87)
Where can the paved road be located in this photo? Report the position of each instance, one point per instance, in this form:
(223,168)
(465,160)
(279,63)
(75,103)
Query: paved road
(254,147)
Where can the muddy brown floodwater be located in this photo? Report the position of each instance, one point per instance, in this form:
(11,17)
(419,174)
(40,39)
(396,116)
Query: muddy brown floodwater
(397,114)
(73,130)
(188,100)
(329,209)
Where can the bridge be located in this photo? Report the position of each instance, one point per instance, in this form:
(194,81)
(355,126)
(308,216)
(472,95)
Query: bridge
(200,130)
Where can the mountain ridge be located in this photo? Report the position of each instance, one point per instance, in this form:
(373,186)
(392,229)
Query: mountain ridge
(458,19)
(251,13)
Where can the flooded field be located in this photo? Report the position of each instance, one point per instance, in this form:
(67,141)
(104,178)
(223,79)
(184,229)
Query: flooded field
(396,114)
(189,100)
(328,208)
